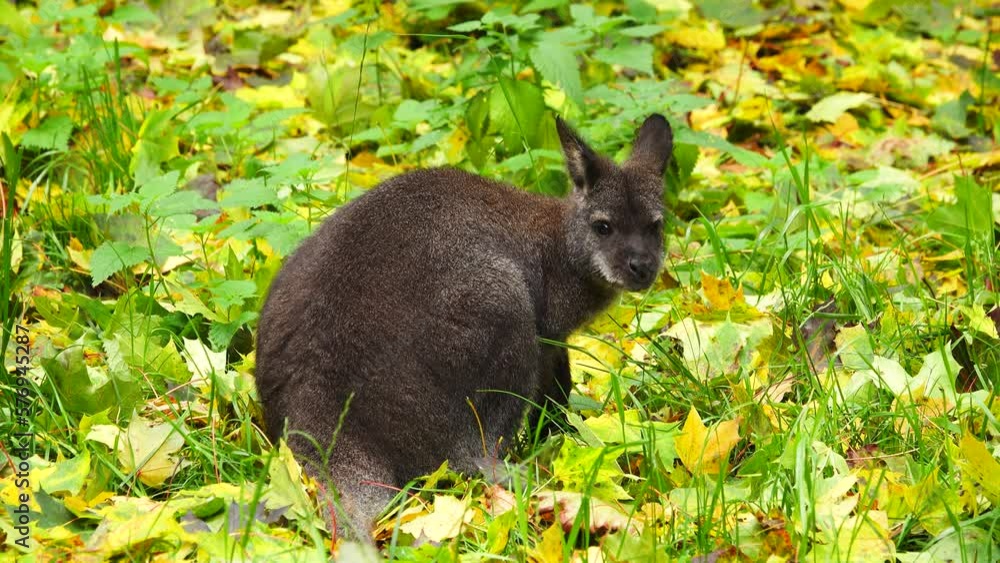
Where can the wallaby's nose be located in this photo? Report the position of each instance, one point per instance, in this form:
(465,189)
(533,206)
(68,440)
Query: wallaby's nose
(640,267)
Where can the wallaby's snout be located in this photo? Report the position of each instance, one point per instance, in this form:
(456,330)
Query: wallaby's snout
(642,269)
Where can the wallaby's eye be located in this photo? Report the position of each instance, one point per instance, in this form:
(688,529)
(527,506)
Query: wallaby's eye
(602,228)
(656,226)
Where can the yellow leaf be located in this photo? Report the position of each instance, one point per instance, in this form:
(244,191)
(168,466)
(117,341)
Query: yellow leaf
(147,447)
(264,18)
(56,534)
(720,293)
(329,8)
(845,125)
(979,322)
(932,504)
(443,522)
(730,209)
(595,357)
(550,549)
(953,256)
(387,527)
(67,475)
(707,38)
(76,504)
(287,488)
(272,97)
(617,428)
(981,466)
(77,254)
(854,347)
(751,109)
(855,5)
(10,494)
(860,539)
(708,117)
(133,521)
(701,449)
(107,434)
(834,504)
(454,147)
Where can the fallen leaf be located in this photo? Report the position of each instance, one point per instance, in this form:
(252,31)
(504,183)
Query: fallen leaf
(832,107)
(550,548)
(720,293)
(981,466)
(703,450)
(571,508)
(147,448)
(443,522)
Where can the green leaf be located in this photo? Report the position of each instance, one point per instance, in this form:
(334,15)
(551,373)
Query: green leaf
(202,361)
(427,140)
(157,143)
(712,349)
(516,111)
(86,389)
(937,375)
(595,470)
(157,187)
(703,139)
(735,14)
(618,428)
(272,119)
(950,117)
(181,203)
(662,436)
(68,475)
(968,544)
(220,334)
(52,133)
(832,107)
(253,192)
(584,16)
(518,23)
(148,449)
(638,56)
(232,292)
(558,64)
(539,5)
(643,30)
(411,112)
(477,115)
(466,27)
(133,14)
(112,257)
(12,19)
(685,156)
(971,218)
(115,202)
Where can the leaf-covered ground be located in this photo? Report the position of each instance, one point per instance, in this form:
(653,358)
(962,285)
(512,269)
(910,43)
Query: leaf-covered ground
(813,377)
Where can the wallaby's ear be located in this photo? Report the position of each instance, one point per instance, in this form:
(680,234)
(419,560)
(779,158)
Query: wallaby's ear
(654,143)
(582,163)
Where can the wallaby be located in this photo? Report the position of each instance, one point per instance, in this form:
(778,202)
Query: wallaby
(405,331)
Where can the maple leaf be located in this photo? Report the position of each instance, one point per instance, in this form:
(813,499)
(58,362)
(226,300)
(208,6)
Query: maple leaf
(703,450)
(444,520)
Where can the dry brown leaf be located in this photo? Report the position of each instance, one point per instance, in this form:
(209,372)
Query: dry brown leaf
(603,517)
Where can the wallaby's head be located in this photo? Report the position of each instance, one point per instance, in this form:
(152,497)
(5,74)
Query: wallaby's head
(615,229)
